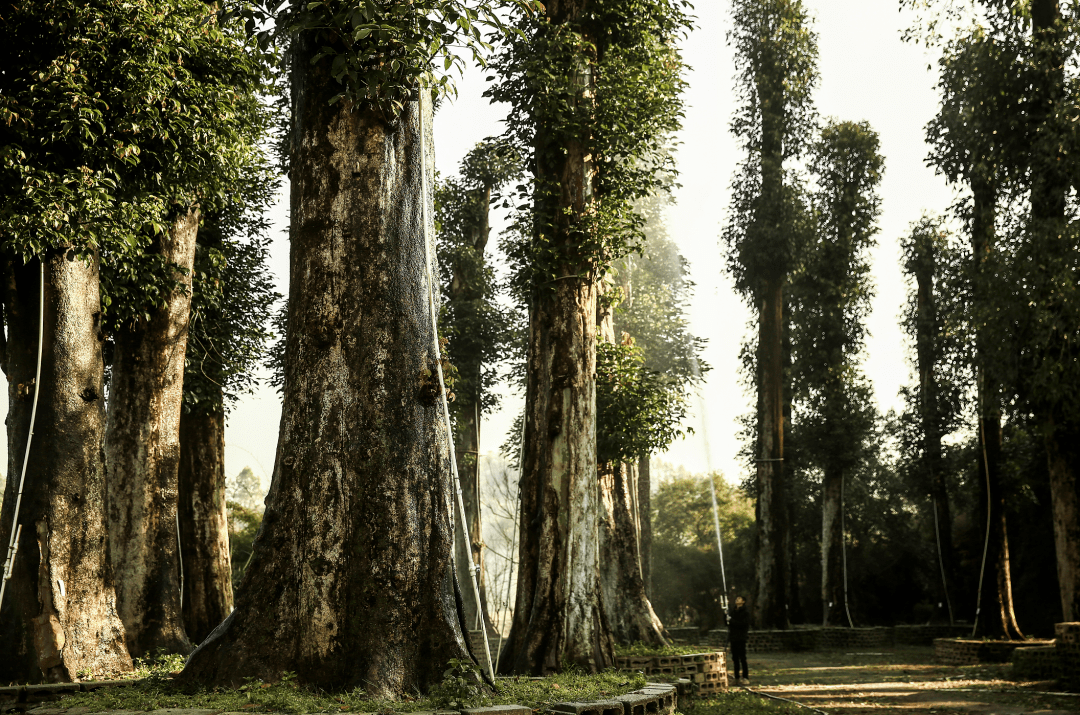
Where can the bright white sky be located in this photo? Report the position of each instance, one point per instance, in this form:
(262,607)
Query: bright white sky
(867,73)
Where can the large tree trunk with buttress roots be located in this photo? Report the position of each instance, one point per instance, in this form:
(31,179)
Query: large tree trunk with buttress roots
(142,450)
(204,523)
(628,608)
(769,609)
(59,613)
(351,583)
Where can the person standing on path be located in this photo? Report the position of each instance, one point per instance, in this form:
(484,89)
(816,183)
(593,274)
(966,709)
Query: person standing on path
(738,634)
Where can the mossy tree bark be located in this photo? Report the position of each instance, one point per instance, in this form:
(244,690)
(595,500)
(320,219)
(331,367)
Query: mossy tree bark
(204,523)
(142,450)
(351,581)
(59,613)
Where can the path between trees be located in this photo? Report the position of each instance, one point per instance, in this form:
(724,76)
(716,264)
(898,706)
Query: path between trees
(903,681)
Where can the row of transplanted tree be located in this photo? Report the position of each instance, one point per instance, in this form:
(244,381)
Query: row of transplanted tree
(133,188)
(993,324)
(134,277)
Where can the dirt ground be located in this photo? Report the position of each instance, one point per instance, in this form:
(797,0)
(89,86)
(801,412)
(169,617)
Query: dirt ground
(901,681)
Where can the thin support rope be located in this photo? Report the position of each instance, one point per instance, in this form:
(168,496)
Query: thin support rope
(941,563)
(16,528)
(438,368)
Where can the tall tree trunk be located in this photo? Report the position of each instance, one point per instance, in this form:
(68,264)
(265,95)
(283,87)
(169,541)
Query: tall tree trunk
(1050,186)
(996,616)
(644,516)
(832,546)
(204,524)
(558,615)
(930,418)
(1063,450)
(464,287)
(769,608)
(59,612)
(629,611)
(142,451)
(351,582)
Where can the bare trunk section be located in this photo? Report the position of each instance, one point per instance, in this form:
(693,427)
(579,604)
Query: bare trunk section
(351,583)
(769,608)
(558,616)
(204,524)
(142,451)
(832,546)
(996,616)
(1064,460)
(630,614)
(644,516)
(59,612)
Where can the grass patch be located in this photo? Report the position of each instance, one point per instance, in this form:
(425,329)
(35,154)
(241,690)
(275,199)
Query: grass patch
(459,689)
(644,650)
(739,702)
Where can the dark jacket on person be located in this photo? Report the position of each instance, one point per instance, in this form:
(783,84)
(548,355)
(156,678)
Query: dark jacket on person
(739,625)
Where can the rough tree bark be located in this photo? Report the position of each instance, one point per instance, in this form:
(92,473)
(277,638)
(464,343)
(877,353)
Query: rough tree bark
(59,612)
(832,546)
(142,451)
(1063,456)
(204,523)
(351,582)
(769,608)
(558,615)
(644,517)
(996,616)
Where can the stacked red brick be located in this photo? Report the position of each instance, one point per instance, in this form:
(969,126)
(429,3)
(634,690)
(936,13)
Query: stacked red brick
(706,671)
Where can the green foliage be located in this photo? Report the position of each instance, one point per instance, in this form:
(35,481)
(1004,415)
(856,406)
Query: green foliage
(777,54)
(110,115)
(244,524)
(478,329)
(830,298)
(232,295)
(639,411)
(687,587)
(461,684)
(604,88)
(381,53)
